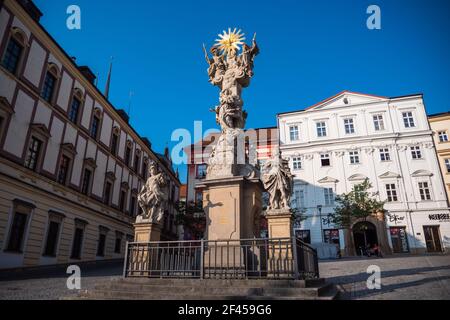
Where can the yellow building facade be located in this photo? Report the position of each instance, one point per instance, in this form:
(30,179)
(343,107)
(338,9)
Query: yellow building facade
(440,124)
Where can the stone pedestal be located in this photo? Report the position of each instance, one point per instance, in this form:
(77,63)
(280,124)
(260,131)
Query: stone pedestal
(233,207)
(146,231)
(280,223)
(144,257)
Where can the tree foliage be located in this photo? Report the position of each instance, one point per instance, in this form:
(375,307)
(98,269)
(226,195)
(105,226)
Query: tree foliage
(359,203)
(192,217)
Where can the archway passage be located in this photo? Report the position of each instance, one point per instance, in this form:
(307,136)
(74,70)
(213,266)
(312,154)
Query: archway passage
(364,236)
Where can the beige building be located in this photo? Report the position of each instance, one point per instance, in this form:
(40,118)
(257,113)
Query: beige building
(440,124)
(70,163)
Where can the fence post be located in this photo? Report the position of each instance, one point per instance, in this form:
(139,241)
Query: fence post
(294,253)
(202,253)
(125,261)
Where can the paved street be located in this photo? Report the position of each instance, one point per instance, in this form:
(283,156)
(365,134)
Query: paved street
(402,277)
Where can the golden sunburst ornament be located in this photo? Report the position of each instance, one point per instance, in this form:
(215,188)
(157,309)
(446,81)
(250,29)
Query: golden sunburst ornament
(230,41)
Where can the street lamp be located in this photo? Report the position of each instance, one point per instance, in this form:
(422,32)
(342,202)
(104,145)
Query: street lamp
(319,209)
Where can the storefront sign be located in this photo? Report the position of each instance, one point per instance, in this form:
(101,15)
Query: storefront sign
(396,219)
(441,217)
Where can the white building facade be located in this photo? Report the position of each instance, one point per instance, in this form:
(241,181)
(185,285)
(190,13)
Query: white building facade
(347,138)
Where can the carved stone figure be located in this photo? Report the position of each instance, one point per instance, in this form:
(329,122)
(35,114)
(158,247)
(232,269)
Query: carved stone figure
(278,181)
(230,72)
(154,195)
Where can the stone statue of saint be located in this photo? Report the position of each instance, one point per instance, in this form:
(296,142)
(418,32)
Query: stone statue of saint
(217,67)
(278,181)
(153,198)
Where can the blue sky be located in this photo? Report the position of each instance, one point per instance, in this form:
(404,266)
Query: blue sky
(310,50)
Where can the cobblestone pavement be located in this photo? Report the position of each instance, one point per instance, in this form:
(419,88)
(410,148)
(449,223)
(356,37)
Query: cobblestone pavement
(50,284)
(402,277)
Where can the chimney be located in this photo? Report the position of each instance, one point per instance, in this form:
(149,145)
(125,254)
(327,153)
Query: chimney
(31,9)
(86,71)
(147,142)
(123,115)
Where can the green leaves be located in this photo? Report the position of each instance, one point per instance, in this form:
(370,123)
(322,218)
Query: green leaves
(360,203)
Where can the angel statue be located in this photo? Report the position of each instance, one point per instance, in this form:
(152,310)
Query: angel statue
(217,67)
(277,180)
(154,195)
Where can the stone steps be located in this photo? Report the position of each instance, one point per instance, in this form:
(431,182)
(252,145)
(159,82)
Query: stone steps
(214,289)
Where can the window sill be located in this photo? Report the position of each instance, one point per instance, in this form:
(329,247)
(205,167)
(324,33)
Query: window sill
(49,255)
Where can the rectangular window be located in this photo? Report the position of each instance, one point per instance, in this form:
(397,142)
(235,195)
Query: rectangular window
(77,243)
(34,150)
(391,192)
(132,206)
(329,196)
(144,170)
(63,171)
(12,56)
(114,144)
(293,133)
(199,198)
(52,239)
(354,157)
(447,165)
(137,160)
(384,154)
(49,87)
(95,126)
(101,245)
(74,108)
(122,199)
(86,184)
(416,153)
(201,171)
(408,119)
(297,163)
(128,155)
(349,126)
(118,245)
(321,129)
(304,235)
(299,199)
(424,191)
(378,122)
(107,194)
(325,160)
(17,232)
(443,137)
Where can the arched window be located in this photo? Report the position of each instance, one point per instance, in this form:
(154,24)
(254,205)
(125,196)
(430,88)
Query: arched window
(50,81)
(115,140)
(95,125)
(75,106)
(13,55)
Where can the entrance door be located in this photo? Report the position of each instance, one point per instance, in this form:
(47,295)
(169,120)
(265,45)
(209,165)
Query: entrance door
(432,238)
(399,239)
(364,236)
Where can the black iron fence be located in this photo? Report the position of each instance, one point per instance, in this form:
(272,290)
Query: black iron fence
(281,258)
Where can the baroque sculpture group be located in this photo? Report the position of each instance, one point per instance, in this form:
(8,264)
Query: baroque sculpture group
(230,71)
